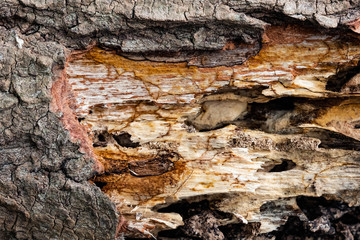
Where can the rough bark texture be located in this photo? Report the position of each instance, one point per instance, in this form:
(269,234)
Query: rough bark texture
(46,156)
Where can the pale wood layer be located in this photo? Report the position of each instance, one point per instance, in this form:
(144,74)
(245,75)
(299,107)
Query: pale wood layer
(145,118)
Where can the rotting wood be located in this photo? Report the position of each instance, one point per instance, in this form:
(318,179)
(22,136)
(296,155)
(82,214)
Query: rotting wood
(280,109)
(47,159)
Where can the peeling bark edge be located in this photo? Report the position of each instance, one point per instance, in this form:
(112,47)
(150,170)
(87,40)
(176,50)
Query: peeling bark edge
(60,104)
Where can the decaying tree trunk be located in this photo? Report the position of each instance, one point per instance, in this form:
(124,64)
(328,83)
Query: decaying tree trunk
(179,119)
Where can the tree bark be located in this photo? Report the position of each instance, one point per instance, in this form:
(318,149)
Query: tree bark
(179,119)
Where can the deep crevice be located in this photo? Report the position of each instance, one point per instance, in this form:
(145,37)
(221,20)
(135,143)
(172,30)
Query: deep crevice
(285,165)
(311,206)
(240,230)
(277,166)
(186,209)
(100,184)
(327,219)
(334,140)
(279,18)
(201,221)
(124,140)
(101,137)
(342,76)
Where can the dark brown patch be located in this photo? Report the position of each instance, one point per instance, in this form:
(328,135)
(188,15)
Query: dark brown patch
(124,140)
(151,167)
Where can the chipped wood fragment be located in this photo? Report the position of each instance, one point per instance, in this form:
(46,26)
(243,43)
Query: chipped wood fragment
(152,167)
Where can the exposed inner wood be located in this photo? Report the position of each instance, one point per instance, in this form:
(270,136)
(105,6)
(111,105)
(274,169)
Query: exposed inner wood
(254,132)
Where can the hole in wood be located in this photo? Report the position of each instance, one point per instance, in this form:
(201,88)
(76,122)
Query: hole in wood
(285,165)
(124,140)
(101,138)
(277,166)
(100,184)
